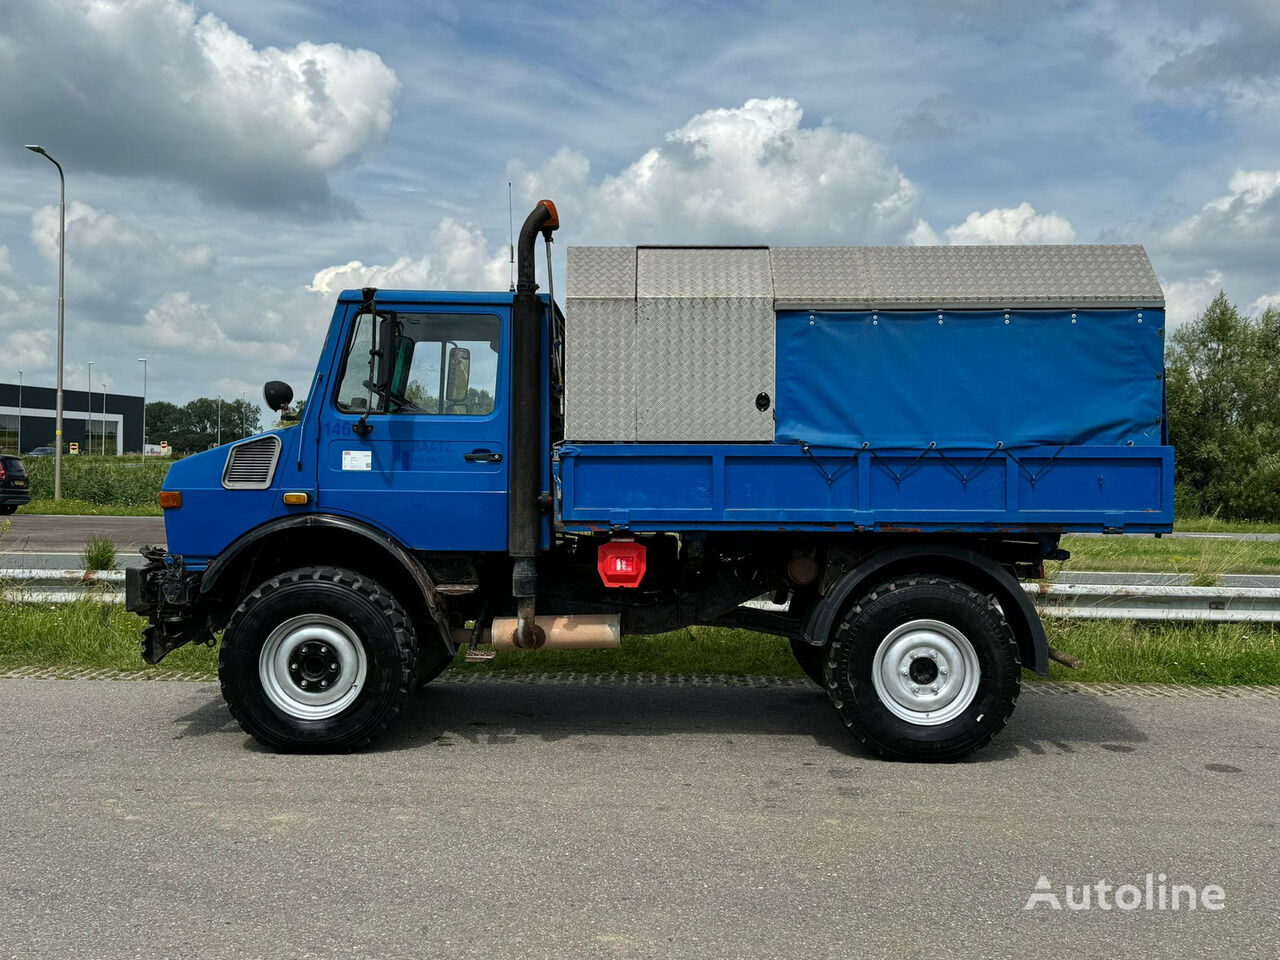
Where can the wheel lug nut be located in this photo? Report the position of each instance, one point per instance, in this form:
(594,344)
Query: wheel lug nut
(324,650)
(943,671)
(333,667)
(304,683)
(293,666)
(325,683)
(915,688)
(934,688)
(904,671)
(933,654)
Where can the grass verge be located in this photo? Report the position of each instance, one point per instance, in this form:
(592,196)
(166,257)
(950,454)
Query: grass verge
(1204,559)
(1214,525)
(83,508)
(94,636)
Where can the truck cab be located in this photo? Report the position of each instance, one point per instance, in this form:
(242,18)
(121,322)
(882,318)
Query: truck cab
(807,442)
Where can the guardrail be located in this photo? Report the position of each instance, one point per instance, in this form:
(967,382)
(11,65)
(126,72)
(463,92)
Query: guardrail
(1092,601)
(61,586)
(1110,601)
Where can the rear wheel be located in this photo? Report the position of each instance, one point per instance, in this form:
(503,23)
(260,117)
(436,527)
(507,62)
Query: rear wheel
(923,668)
(317,659)
(7,509)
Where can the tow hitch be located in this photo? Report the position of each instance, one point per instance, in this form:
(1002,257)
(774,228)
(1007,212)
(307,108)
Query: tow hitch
(168,595)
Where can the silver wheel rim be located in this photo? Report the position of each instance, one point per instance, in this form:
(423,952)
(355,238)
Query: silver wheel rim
(926,672)
(312,667)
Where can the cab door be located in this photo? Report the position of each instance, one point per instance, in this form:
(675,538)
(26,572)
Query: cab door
(432,468)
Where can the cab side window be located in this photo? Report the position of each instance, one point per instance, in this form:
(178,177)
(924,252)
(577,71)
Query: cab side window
(443,364)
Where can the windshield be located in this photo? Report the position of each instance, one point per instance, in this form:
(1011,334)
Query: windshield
(444,363)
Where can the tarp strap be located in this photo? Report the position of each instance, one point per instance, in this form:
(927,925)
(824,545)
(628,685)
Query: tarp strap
(966,477)
(963,476)
(1038,475)
(829,477)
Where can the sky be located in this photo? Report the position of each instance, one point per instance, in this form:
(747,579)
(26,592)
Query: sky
(233,164)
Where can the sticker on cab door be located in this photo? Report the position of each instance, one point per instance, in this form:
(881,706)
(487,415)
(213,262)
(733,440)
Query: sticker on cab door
(357,459)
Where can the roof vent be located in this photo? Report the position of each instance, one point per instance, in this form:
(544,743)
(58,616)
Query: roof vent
(251,464)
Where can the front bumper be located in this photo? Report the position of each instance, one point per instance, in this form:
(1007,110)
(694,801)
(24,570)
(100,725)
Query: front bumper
(168,595)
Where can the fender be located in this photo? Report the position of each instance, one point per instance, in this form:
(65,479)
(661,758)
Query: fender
(411,564)
(1017,606)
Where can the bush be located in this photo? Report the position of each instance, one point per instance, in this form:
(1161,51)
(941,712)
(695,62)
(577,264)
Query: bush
(101,480)
(98,554)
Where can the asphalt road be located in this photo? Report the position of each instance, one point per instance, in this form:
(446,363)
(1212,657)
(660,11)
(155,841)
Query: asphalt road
(50,543)
(560,820)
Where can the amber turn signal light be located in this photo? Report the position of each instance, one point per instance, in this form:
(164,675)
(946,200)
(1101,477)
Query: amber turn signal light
(170,499)
(297,499)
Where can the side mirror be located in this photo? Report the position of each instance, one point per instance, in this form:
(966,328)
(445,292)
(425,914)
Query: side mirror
(278,394)
(459,381)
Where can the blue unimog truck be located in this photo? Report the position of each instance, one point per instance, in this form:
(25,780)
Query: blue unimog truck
(881,441)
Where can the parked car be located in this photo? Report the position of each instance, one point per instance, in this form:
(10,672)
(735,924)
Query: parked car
(41,452)
(15,487)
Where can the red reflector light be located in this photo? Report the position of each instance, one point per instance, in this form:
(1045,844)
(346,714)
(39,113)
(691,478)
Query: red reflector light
(621,563)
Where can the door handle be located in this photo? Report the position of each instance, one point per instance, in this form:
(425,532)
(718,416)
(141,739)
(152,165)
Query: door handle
(482,456)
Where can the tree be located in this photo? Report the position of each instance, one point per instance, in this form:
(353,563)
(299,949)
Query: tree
(195,426)
(1224,412)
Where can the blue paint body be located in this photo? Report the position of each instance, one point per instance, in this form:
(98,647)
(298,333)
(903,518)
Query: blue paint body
(973,421)
(885,421)
(971,378)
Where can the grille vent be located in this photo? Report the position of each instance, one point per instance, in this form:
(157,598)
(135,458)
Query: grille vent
(250,465)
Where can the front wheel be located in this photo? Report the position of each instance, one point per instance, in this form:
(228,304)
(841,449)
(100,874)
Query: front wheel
(923,668)
(317,659)
(8,509)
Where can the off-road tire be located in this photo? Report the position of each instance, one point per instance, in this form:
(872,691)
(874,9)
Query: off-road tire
(847,669)
(376,618)
(810,659)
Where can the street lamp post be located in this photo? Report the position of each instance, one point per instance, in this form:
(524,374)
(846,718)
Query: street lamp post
(88,430)
(143,361)
(244,420)
(219,420)
(104,416)
(62,259)
(19,413)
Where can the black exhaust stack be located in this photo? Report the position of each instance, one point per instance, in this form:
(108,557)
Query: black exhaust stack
(526,405)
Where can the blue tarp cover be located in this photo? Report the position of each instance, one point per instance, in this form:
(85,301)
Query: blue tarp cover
(902,379)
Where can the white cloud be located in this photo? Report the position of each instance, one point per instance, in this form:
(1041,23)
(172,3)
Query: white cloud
(750,172)
(1020,224)
(1267,302)
(28,349)
(1186,299)
(102,239)
(112,260)
(456,259)
(150,87)
(180,323)
(1249,213)
(404,274)
(923,235)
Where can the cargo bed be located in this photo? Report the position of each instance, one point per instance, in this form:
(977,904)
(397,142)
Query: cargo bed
(674,487)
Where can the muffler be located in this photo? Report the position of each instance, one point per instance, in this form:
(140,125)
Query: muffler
(583,632)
